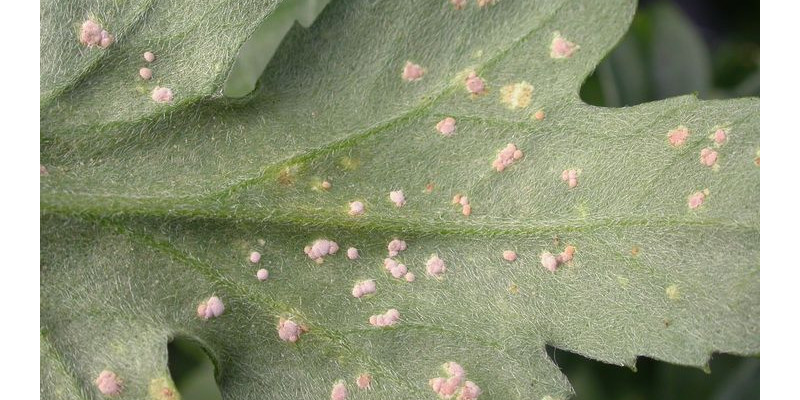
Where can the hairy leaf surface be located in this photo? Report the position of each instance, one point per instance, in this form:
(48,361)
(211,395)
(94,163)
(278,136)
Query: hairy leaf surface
(149,209)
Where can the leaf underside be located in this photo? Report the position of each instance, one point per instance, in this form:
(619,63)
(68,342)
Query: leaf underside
(149,209)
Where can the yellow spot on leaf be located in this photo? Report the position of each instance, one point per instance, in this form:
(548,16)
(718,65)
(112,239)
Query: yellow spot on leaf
(517,95)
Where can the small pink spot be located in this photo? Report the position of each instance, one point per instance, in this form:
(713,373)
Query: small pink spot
(149,56)
(720,136)
(539,115)
(397,197)
(506,157)
(363,381)
(43,170)
(463,200)
(92,35)
(210,308)
(352,253)
(326,185)
(509,256)
(466,210)
(262,274)
(457,199)
(446,126)
(549,261)
(410,277)
(484,3)
(696,200)
(475,84)
(677,137)
(106,39)
(108,383)
(459,4)
(470,391)
(356,208)
(412,72)
(562,48)
(396,246)
(321,248)
(435,266)
(566,255)
(388,318)
(290,331)
(570,176)
(145,73)
(162,94)
(363,288)
(339,391)
(255,257)
(708,157)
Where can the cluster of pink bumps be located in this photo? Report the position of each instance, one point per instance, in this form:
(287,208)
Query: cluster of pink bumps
(210,308)
(388,318)
(446,388)
(506,157)
(552,262)
(321,248)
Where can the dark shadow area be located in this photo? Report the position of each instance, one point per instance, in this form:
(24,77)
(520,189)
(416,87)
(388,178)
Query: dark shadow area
(678,47)
(192,371)
(730,378)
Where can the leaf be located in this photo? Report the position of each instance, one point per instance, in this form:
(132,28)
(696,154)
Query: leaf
(144,218)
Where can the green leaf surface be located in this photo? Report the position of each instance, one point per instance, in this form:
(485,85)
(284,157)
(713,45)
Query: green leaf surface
(149,210)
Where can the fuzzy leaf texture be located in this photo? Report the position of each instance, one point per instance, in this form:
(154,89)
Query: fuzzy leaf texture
(148,208)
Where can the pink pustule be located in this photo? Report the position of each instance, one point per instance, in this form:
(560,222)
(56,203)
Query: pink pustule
(210,308)
(412,72)
(356,208)
(389,318)
(339,391)
(262,274)
(363,381)
(570,176)
(43,170)
(363,288)
(549,261)
(326,185)
(678,136)
(255,257)
(321,248)
(108,383)
(395,268)
(447,387)
(435,266)
(509,256)
(562,48)
(397,197)
(696,200)
(162,95)
(149,56)
(459,4)
(92,35)
(566,255)
(352,253)
(720,136)
(475,85)
(506,157)
(708,157)
(446,126)
(145,73)
(290,331)
(470,391)
(396,246)
(410,277)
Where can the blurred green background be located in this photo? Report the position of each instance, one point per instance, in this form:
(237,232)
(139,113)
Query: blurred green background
(677,47)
